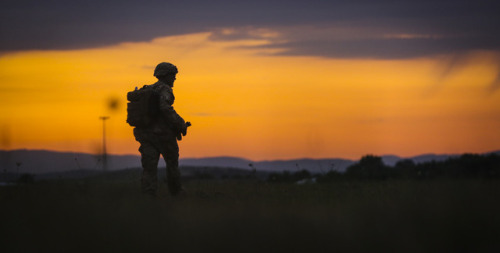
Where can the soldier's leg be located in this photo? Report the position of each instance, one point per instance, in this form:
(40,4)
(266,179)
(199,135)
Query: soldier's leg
(149,159)
(170,153)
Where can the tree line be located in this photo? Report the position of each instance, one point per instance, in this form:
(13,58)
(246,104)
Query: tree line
(371,167)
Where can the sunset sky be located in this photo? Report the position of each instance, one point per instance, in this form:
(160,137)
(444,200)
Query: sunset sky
(258,79)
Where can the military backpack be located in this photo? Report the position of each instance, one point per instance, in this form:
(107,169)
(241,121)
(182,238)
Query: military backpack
(143,106)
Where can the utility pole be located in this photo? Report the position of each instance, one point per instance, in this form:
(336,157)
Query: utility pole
(104,153)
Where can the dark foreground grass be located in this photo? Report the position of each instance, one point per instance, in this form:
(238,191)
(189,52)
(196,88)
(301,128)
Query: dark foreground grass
(109,215)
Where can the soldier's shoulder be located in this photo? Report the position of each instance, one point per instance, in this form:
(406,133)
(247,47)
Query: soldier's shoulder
(155,87)
(145,86)
(157,84)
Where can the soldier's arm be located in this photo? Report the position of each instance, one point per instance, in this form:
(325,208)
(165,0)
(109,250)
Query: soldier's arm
(166,101)
(167,110)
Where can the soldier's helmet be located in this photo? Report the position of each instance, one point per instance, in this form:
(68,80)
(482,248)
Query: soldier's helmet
(165,68)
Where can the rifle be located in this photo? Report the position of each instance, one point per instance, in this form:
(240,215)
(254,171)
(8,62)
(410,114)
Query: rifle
(183,131)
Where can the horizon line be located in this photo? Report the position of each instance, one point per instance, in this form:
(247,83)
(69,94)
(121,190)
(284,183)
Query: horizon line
(265,160)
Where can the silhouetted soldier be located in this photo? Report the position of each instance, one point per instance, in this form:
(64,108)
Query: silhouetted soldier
(160,137)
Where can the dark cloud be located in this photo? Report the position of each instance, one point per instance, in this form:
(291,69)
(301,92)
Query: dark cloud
(383,48)
(433,27)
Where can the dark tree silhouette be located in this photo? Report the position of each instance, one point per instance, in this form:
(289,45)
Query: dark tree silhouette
(369,167)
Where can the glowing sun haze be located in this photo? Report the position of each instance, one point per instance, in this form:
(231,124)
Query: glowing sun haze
(245,99)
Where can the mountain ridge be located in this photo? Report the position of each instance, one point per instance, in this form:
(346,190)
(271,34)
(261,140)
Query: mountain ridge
(45,161)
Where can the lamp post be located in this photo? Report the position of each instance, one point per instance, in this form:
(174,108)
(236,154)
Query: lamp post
(104,153)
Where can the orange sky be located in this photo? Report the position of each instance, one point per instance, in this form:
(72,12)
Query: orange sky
(250,103)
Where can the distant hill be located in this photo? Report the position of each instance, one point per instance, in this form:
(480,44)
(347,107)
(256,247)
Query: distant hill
(312,165)
(391,160)
(43,161)
(222,161)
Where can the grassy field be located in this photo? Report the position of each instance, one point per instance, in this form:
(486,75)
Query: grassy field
(108,214)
